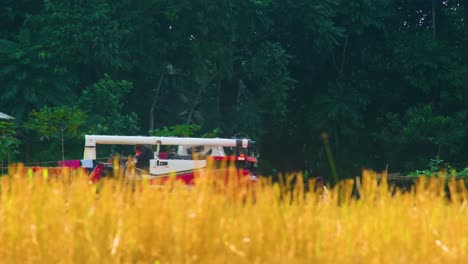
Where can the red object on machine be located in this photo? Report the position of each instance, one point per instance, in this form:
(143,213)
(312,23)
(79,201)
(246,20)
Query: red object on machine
(96,173)
(70,163)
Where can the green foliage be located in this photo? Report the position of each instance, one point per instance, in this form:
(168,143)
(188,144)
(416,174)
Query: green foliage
(268,69)
(30,76)
(84,33)
(311,19)
(463,173)
(184,130)
(383,79)
(57,123)
(422,129)
(103,102)
(438,168)
(212,134)
(342,107)
(8,140)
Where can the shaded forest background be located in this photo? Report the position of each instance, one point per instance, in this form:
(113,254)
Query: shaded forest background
(386,80)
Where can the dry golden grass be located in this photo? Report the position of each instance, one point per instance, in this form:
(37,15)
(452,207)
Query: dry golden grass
(64,219)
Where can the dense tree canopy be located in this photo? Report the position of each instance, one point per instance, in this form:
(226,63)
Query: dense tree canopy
(386,80)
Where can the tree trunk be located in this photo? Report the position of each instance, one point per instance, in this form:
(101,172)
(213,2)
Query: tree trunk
(197,100)
(434,20)
(439,22)
(194,105)
(227,102)
(218,99)
(155,100)
(465,25)
(63,146)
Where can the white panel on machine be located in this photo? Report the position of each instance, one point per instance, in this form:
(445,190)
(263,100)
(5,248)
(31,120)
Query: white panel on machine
(159,167)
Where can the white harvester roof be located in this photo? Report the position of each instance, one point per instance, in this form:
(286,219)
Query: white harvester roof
(92,140)
(5,116)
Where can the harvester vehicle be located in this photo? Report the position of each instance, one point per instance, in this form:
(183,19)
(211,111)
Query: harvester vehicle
(179,157)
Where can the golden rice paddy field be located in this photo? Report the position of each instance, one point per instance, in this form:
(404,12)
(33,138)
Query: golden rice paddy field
(47,218)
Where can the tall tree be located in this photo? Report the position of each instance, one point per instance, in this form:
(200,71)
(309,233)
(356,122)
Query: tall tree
(103,102)
(59,122)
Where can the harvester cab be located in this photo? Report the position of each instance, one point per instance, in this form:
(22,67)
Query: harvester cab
(182,157)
